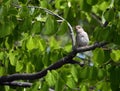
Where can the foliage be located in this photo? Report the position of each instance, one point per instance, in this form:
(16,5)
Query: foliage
(31,40)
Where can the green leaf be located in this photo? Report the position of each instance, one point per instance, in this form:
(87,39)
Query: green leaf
(101,74)
(2,71)
(24,11)
(3,11)
(84,73)
(30,44)
(68,47)
(84,5)
(50,26)
(19,66)
(63,28)
(74,73)
(39,43)
(114,77)
(57,3)
(44,3)
(54,43)
(92,2)
(44,86)
(6,29)
(92,73)
(60,4)
(70,82)
(12,11)
(101,34)
(46,59)
(35,86)
(54,55)
(1,55)
(60,84)
(51,78)
(117,3)
(37,27)
(26,24)
(103,5)
(115,55)
(103,86)
(30,67)
(84,88)
(13,57)
(98,56)
(7,43)
(109,14)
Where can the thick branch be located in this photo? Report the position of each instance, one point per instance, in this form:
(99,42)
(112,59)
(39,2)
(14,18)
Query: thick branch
(58,64)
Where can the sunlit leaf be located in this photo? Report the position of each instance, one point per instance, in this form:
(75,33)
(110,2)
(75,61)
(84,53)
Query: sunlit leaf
(70,82)
(53,42)
(84,88)
(19,66)
(104,5)
(50,78)
(29,67)
(2,71)
(44,3)
(115,55)
(12,57)
(54,55)
(30,44)
(39,43)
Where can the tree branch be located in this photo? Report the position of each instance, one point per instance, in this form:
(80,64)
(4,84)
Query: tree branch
(65,60)
(9,80)
(92,47)
(20,84)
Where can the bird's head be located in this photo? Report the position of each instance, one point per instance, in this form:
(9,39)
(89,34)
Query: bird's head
(79,29)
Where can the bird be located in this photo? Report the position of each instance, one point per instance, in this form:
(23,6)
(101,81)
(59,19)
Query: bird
(82,38)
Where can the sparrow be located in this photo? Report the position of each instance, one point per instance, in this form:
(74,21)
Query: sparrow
(82,38)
